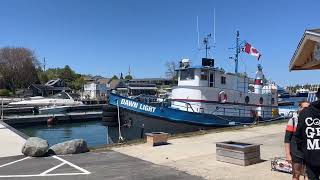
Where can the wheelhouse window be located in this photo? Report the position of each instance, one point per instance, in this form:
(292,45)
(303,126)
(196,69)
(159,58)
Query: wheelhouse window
(204,74)
(223,80)
(187,74)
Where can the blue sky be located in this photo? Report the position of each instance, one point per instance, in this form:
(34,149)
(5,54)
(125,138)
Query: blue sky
(104,37)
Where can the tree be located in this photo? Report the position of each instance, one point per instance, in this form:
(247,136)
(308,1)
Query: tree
(128,77)
(42,76)
(67,74)
(18,67)
(78,83)
(114,77)
(170,72)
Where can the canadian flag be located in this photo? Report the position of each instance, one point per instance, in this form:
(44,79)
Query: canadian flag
(251,50)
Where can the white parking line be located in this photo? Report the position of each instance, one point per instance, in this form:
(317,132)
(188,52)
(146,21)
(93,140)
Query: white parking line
(49,170)
(73,165)
(46,173)
(14,162)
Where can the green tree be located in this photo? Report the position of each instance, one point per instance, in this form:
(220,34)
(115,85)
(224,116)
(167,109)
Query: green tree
(128,77)
(114,77)
(42,76)
(78,83)
(67,74)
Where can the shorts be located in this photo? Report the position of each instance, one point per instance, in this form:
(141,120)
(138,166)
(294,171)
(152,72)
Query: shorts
(296,159)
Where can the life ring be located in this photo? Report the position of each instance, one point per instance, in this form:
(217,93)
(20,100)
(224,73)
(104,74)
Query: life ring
(222,97)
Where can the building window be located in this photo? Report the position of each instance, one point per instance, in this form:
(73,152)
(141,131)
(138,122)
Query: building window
(204,74)
(223,80)
(187,74)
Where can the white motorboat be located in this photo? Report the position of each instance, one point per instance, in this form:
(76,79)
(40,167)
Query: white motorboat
(55,101)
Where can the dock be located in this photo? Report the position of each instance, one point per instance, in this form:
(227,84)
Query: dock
(42,118)
(11,142)
(196,155)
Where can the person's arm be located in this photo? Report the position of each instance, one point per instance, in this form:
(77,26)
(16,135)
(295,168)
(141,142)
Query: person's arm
(300,130)
(288,152)
(287,139)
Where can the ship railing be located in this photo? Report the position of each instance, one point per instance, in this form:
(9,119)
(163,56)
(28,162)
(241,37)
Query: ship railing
(241,112)
(229,111)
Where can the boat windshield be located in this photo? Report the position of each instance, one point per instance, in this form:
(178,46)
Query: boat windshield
(187,74)
(60,96)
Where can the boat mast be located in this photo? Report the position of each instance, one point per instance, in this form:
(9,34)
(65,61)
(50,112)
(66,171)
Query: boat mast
(206,43)
(237,53)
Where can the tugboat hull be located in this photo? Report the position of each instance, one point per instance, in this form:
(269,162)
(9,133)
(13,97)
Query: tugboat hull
(177,116)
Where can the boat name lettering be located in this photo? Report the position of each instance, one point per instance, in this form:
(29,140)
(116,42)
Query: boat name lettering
(136,105)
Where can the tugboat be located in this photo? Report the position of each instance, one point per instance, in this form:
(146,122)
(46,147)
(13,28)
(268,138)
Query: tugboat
(208,96)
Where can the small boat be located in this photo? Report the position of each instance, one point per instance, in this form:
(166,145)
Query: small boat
(302,92)
(60,99)
(57,103)
(53,109)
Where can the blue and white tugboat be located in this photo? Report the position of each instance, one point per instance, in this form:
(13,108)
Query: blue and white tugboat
(208,96)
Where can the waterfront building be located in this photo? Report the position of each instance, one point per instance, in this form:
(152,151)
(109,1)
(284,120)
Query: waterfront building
(94,89)
(157,81)
(52,87)
(307,54)
(307,57)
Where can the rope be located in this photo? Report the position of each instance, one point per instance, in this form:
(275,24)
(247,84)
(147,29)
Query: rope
(121,139)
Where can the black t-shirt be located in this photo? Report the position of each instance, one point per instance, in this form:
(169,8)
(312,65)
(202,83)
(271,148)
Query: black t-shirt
(308,133)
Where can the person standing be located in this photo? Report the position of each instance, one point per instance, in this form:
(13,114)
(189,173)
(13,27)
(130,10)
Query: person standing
(293,155)
(308,137)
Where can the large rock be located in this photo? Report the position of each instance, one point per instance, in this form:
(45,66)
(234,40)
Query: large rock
(70,147)
(35,147)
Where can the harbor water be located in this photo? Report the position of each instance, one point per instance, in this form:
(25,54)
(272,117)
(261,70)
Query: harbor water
(96,133)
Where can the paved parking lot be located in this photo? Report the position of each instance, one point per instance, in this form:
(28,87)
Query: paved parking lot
(96,166)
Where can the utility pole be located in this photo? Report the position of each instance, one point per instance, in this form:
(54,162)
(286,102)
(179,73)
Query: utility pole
(44,64)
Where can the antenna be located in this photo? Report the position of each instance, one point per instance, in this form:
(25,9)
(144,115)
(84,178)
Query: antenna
(198,32)
(129,71)
(206,43)
(214,26)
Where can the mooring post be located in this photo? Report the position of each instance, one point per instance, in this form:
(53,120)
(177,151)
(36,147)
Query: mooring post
(142,131)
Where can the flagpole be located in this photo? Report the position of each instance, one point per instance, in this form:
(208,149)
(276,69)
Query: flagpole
(237,53)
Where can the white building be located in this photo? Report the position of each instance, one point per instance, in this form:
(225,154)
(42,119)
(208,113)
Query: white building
(93,90)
